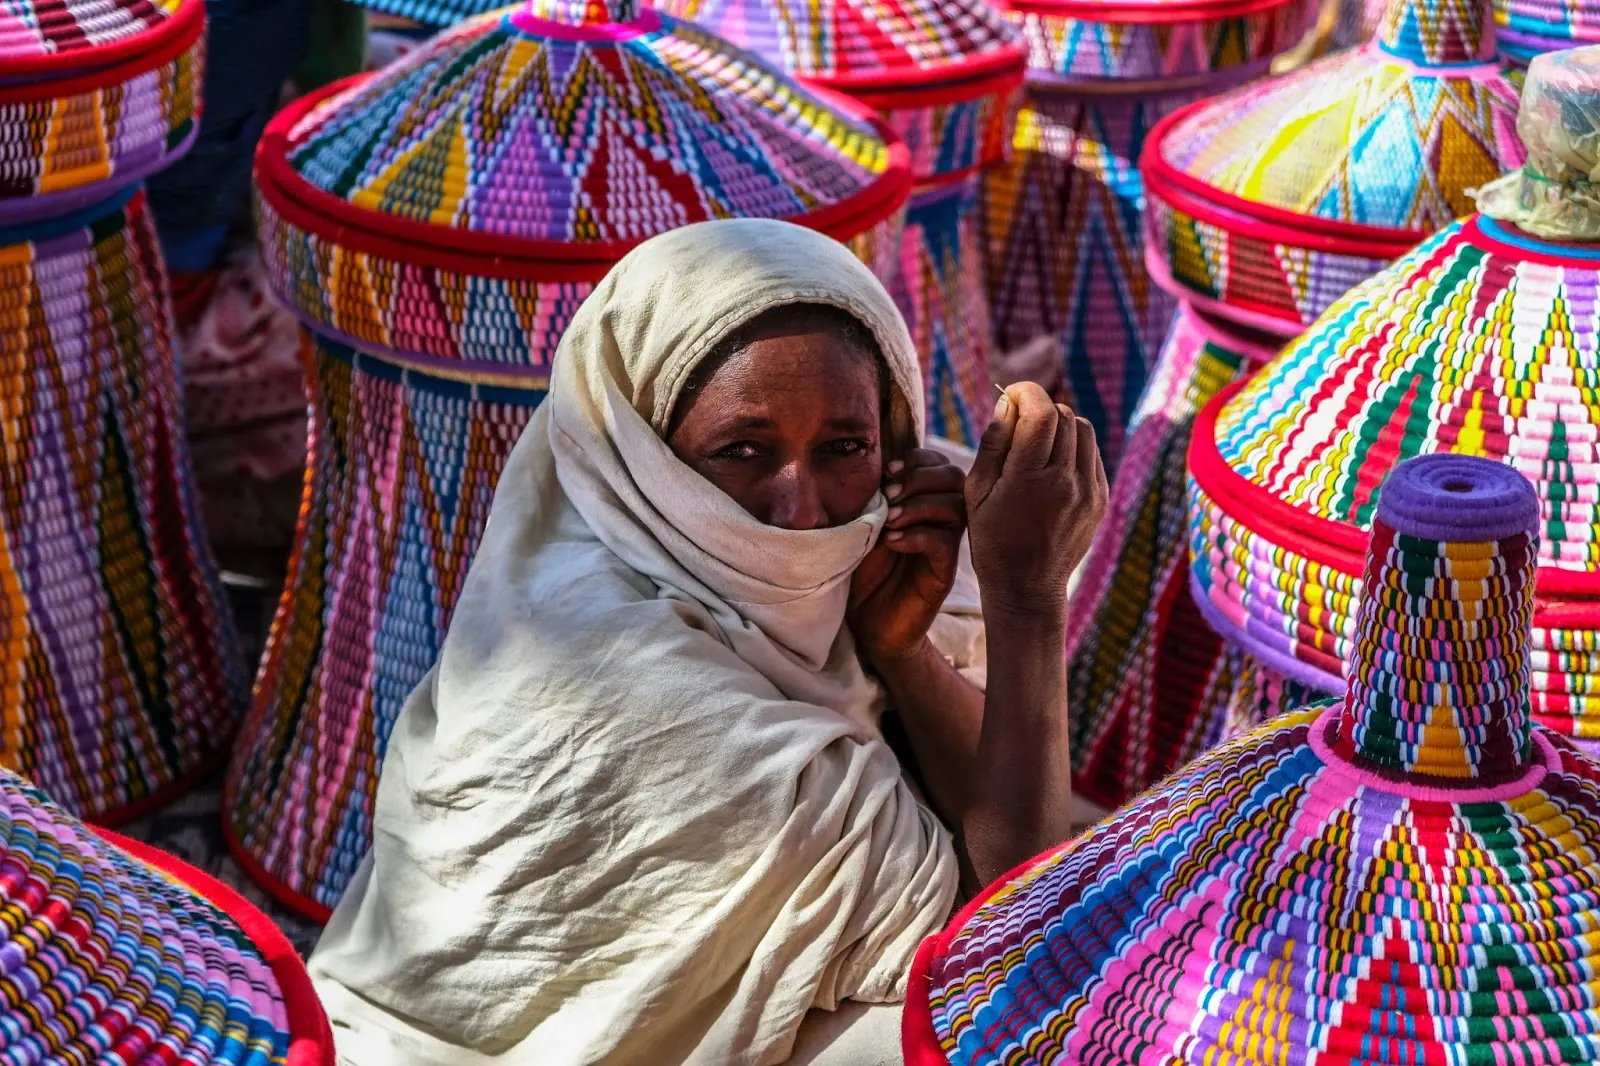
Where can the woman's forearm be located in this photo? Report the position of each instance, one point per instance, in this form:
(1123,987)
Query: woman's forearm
(1021,779)
(997,767)
(942,713)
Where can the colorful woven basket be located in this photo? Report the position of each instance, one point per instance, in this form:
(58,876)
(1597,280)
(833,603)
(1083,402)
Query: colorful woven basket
(436,225)
(1482,341)
(1268,203)
(1533,27)
(120,679)
(118,953)
(1062,219)
(1140,588)
(1147,678)
(944,74)
(94,96)
(1409,876)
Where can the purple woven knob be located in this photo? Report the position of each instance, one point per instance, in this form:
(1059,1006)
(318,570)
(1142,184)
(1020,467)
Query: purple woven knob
(1440,664)
(1458,498)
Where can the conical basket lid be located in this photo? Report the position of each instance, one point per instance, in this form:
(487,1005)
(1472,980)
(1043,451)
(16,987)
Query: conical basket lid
(1409,876)
(542,144)
(1270,201)
(1163,44)
(118,953)
(1482,341)
(93,97)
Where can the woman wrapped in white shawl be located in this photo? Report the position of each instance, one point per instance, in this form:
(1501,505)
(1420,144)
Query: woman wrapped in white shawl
(642,809)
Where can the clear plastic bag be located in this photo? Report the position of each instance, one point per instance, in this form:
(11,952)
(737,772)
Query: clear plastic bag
(1556,194)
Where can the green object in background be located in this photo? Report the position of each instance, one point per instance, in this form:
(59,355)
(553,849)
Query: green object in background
(338,44)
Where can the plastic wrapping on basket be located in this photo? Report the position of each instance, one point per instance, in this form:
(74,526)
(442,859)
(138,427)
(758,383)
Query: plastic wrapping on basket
(1555,194)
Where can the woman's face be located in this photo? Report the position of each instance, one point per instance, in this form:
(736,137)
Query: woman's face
(789,426)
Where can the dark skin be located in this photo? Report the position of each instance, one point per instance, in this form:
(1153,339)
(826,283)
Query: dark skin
(790,426)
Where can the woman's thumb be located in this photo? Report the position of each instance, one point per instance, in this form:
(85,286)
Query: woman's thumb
(992,450)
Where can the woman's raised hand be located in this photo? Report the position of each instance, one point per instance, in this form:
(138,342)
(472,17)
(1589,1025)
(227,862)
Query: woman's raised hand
(899,589)
(1035,497)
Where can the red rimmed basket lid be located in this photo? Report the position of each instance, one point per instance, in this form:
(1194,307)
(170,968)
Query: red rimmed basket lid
(117,953)
(1482,341)
(517,145)
(44,40)
(1155,42)
(1410,876)
(958,48)
(1361,154)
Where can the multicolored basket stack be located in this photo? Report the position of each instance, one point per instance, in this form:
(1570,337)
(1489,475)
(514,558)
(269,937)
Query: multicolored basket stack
(1266,204)
(1062,220)
(120,679)
(1482,341)
(436,225)
(118,953)
(1406,877)
(1532,27)
(945,75)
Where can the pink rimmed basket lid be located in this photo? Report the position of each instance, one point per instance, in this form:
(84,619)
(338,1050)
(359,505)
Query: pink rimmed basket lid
(1409,876)
(1269,202)
(521,146)
(94,96)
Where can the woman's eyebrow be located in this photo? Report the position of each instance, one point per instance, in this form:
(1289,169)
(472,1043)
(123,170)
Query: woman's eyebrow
(851,424)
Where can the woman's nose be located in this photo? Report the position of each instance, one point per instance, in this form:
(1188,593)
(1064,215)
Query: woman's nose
(797,500)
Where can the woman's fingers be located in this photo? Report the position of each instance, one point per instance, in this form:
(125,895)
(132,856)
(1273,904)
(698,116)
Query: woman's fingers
(1035,435)
(1089,466)
(939,545)
(947,510)
(1064,455)
(923,480)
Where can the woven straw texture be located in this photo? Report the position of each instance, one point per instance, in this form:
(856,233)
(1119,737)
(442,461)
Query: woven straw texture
(1145,674)
(1062,220)
(119,673)
(1270,202)
(94,96)
(1480,342)
(945,75)
(115,960)
(938,285)
(1075,41)
(1532,27)
(850,45)
(437,225)
(1061,226)
(1409,876)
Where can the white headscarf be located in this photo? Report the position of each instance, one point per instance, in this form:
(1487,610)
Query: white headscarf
(640,811)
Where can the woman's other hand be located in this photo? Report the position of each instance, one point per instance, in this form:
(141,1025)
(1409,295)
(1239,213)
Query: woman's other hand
(900,587)
(1035,497)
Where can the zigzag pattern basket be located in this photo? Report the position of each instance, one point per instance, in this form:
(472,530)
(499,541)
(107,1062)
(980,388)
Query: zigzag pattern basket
(1147,678)
(437,294)
(120,679)
(944,76)
(93,98)
(1482,341)
(1063,219)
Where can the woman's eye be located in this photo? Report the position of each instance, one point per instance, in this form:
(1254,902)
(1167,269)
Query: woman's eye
(849,447)
(739,451)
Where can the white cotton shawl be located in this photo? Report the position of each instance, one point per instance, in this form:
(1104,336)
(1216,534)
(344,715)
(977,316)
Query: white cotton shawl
(640,810)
